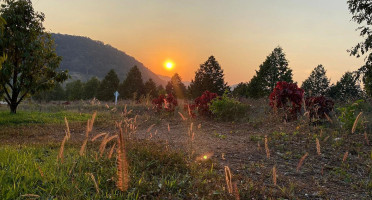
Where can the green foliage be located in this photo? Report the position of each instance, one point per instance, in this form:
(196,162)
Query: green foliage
(154,173)
(347,88)
(362,12)
(90,89)
(227,109)
(132,84)
(272,70)
(31,117)
(317,84)
(209,77)
(32,63)
(241,90)
(74,90)
(108,86)
(57,93)
(176,87)
(348,115)
(150,88)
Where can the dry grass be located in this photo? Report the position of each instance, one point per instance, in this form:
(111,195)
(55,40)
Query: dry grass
(274,175)
(356,122)
(267,147)
(228,178)
(301,161)
(122,166)
(345,156)
(317,146)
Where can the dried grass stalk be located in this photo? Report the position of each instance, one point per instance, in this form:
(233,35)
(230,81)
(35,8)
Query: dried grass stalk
(366,137)
(149,129)
(328,118)
(236,191)
(228,178)
(122,167)
(168,128)
(274,175)
(345,156)
(301,161)
(98,136)
(94,181)
(267,147)
(40,171)
(356,123)
(102,147)
(183,118)
(111,151)
(199,126)
(317,146)
(68,133)
(61,150)
(82,149)
(191,126)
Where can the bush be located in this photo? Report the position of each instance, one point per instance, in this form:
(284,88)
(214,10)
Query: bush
(201,104)
(287,93)
(319,107)
(165,102)
(348,115)
(227,109)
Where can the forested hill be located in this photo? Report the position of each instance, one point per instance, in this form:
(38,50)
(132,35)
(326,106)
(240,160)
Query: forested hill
(84,58)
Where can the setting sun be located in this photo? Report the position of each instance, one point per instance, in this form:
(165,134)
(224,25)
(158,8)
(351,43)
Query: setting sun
(169,65)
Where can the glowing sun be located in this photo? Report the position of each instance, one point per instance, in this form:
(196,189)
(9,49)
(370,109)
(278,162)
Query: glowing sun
(169,65)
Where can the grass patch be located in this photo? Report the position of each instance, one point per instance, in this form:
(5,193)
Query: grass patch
(154,174)
(31,117)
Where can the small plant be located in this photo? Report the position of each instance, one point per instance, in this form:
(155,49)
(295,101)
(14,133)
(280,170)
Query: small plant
(349,114)
(319,107)
(227,109)
(165,102)
(289,97)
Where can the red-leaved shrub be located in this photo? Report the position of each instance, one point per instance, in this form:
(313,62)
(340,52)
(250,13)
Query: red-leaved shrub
(167,102)
(287,96)
(319,107)
(201,104)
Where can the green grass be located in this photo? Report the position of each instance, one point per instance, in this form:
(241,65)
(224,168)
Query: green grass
(154,174)
(31,117)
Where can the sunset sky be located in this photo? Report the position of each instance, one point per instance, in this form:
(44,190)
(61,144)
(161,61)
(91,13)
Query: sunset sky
(239,33)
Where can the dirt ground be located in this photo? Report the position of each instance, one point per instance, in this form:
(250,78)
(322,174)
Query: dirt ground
(241,146)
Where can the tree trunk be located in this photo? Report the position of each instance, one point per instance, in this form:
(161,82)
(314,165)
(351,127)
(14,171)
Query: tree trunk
(13,108)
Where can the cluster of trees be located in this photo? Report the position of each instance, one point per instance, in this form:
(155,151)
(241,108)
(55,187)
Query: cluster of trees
(275,68)
(132,87)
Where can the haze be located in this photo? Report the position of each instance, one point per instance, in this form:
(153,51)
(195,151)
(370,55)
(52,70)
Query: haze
(240,33)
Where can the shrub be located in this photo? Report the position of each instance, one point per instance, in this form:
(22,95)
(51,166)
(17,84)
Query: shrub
(227,109)
(165,102)
(201,104)
(287,93)
(319,107)
(348,115)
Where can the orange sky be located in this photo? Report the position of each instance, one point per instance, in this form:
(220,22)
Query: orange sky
(239,33)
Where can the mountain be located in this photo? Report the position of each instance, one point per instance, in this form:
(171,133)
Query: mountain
(84,58)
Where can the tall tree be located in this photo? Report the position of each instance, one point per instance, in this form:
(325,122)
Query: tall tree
(347,88)
(176,87)
(91,87)
(240,90)
(362,14)
(272,70)
(74,90)
(57,93)
(208,77)
(108,86)
(317,83)
(133,84)
(32,63)
(150,88)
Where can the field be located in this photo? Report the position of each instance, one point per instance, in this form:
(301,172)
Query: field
(177,157)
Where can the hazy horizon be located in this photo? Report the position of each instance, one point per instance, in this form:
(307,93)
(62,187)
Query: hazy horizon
(240,34)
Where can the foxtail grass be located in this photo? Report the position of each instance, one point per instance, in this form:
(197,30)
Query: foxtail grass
(356,123)
(228,178)
(301,161)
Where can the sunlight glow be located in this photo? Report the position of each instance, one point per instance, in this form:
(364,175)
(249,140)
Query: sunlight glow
(169,65)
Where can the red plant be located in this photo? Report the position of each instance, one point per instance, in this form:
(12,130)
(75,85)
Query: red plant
(167,102)
(319,106)
(287,93)
(202,103)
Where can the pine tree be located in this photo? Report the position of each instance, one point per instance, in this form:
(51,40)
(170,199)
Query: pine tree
(150,88)
(272,70)
(347,88)
(133,84)
(317,84)
(91,87)
(176,87)
(108,86)
(240,90)
(208,77)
